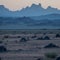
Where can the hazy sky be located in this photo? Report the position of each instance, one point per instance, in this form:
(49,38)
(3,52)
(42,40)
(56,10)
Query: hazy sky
(19,4)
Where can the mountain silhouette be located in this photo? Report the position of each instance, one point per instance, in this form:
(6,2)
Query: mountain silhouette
(4,12)
(33,17)
(33,10)
(28,23)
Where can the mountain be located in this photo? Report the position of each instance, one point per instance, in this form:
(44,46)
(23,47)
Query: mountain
(33,17)
(28,23)
(13,20)
(33,10)
(4,12)
(48,16)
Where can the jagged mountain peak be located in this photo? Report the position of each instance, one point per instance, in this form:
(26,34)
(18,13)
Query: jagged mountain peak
(2,6)
(49,7)
(36,6)
(33,10)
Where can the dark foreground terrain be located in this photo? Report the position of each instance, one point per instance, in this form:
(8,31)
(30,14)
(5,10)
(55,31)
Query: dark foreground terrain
(29,44)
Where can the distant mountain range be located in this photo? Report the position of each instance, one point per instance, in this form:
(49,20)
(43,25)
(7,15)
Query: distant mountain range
(48,16)
(34,17)
(29,23)
(34,10)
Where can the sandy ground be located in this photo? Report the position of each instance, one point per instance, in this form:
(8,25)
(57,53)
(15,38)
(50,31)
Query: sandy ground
(30,50)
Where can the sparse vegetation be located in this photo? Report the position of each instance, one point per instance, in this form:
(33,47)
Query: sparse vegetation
(51,55)
(46,38)
(34,36)
(51,45)
(6,36)
(0,58)
(39,59)
(1,42)
(58,58)
(44,33)
(18,36)
(57,35)
(20,49)
(35,46)
(3,49)
(41,38)
(23,40)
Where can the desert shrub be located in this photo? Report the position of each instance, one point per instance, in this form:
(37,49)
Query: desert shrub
(23,40)
(44,33)
(0,58)
(51,45)
(38,59)
(6,36)
(46,38)
(3,49)
(41,38)
(5,43)
(18,36)
(51,55)
(58,58)
(34,36)
(20,49)
(1,42)
(57,35)
(50,32)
